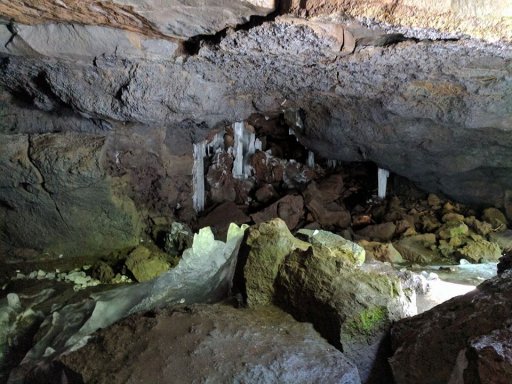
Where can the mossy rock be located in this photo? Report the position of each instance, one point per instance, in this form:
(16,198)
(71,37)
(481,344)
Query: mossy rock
(269,243)
(145,264)
(420,249)
(479,250)
(384,252)
(495,217)
(453,229)
(368,321)
(328,244)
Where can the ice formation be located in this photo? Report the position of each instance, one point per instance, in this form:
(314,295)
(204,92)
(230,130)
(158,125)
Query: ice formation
(245,145)
(204,275)
(382,176)
(311,159)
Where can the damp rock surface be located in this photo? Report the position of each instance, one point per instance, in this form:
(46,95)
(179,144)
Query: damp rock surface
(432,347)
(215,343)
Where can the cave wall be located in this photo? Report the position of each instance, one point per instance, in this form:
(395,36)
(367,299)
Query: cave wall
(99,113)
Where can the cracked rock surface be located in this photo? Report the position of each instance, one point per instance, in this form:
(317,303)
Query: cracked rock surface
(129,93)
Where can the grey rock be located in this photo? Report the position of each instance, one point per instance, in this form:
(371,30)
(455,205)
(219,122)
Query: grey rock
(352,307)
(212,344)
(426,347)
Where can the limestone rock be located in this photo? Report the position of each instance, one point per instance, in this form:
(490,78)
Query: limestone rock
(418,248)
(179,238)
(263,345)
(479,250)
(453,229)
(426,347)
(144,265)
(378,232)
(503,239)
(495,217)
(269,244)
(290,209)
(381,251)
(329,245)
(102,272)
(173,18)
(481,227)
(353,309)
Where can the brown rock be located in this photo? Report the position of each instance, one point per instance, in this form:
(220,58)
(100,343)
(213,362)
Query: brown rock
(426,347)
(452,216)
(378,232)
(265,193)
(361,220)
(220,218)
(290,209)
(420,249)
(330,214)
(381,251)
(433,200)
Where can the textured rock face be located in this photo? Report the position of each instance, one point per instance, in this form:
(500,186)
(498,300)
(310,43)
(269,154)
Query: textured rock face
(55,194)
(438,112)
(170,18)
(211,344)
(460,340)
(478,18)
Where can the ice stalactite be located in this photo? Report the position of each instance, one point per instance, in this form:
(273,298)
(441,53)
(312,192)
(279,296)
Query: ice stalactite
(198,176)
(382,176)
(245,145)
(311,159)
(332,163)
(201,150)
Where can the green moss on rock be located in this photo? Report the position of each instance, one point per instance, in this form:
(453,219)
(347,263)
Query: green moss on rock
(368,321)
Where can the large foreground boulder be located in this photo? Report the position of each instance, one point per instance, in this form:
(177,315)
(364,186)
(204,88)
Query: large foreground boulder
(351,307)
(321,280)
(209,344)
(464,340)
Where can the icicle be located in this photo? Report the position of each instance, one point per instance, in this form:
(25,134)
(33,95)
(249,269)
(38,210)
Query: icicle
(311,159)
(198,176)
(258,145)
(238,162)
(382,176)
(332,163)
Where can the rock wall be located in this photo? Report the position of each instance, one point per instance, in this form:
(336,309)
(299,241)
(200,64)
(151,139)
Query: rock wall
(130,89)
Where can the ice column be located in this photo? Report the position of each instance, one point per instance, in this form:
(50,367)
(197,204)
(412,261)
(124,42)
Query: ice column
(198,176)
(245,145)
(238,162)
(311,159)
(382,176)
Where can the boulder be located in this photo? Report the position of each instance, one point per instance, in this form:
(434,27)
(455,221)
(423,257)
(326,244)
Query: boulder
(420,249)
(477,250)
(265,193)
(352,308)
(327,244)
(290,209)
(221,217)
(208,344)
(487,359)
(103,272)
(434,201)
(381,251)
(426,347)
(503,239)
(269,244)
(481,227)
(179,238)
(378,232)
(495,217)
(329,214)
(146,265)
(453,229)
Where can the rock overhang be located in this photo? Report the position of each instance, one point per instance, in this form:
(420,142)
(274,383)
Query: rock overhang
(436,110)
